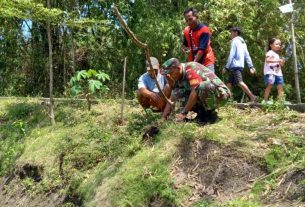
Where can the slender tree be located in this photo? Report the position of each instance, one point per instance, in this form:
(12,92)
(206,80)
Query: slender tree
(50,64)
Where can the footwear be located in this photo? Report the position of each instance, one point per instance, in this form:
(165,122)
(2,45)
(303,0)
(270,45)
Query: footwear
(287,103)
(255,100)
(264,102)
(155,109)
(208,116)
(212,116)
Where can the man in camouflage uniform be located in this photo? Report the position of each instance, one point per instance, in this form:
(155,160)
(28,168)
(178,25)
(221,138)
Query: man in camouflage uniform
(200,87)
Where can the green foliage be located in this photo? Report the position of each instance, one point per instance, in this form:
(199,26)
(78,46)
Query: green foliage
(243,203)
(89,156)
(19,120)
(26,112)
(88,83)
(147,176)
(28,9)
(103,171)
(86,35)
(65,113)
(10,148)
(139,121)
(275,158)
(276,106)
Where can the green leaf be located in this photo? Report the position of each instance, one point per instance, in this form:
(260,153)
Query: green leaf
(91,73)
(72,80)
(94,85)
(77,89)
(82,75)
(101,75)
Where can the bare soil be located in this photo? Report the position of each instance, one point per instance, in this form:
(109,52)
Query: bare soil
(214,172)
(14,192)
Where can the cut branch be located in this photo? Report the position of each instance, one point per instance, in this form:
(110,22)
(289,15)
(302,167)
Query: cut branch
(141,45)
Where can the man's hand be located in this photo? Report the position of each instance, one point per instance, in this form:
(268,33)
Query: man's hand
(170,80)
(180,117)
(252,71)
(185,49)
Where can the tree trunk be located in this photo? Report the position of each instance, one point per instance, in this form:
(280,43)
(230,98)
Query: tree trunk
(295,61)
(64,56)
(51,106)
(88,101)
(73,52)
(123,90)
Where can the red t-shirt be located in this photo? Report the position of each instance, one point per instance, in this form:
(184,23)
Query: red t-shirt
(198,40)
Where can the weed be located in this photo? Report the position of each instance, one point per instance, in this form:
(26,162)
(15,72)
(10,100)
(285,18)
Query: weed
(19,125)
(242,203)
(11,145)
(274,158)
(28,183)
(139,121)
(33,113)
(275,107)
(257,189)
(203,203)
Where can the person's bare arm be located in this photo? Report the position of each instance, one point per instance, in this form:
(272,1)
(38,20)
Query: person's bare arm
(198,56)
(189,105)
(272,60)
(191,101)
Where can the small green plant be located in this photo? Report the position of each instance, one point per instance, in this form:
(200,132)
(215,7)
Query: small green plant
(19,125)
(275,157)
(140,121)
(87,83)
(240,202)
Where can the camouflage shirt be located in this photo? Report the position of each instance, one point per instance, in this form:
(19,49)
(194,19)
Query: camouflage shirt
(211,91)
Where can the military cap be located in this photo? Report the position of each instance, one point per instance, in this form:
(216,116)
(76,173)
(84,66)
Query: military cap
(172,62)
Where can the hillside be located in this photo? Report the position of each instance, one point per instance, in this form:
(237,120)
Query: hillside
(250,157)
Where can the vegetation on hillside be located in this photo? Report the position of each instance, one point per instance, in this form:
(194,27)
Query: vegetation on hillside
(249,158)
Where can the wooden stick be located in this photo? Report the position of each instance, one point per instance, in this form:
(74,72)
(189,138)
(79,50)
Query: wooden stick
(123,90)
(141,45)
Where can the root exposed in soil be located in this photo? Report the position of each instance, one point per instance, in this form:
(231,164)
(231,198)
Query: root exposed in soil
(214,172)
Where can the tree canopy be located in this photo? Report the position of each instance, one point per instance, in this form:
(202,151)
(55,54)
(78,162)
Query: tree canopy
(87,35)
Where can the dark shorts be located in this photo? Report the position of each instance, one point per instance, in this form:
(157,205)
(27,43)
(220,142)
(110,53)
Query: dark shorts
(235,76)
(273,79)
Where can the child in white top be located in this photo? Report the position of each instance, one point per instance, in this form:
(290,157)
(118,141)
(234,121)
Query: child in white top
(273,68)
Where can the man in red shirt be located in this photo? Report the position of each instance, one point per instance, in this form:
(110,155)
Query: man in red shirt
(197,40)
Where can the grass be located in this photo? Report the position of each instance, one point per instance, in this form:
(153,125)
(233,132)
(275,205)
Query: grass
(143,177)
(105,163)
